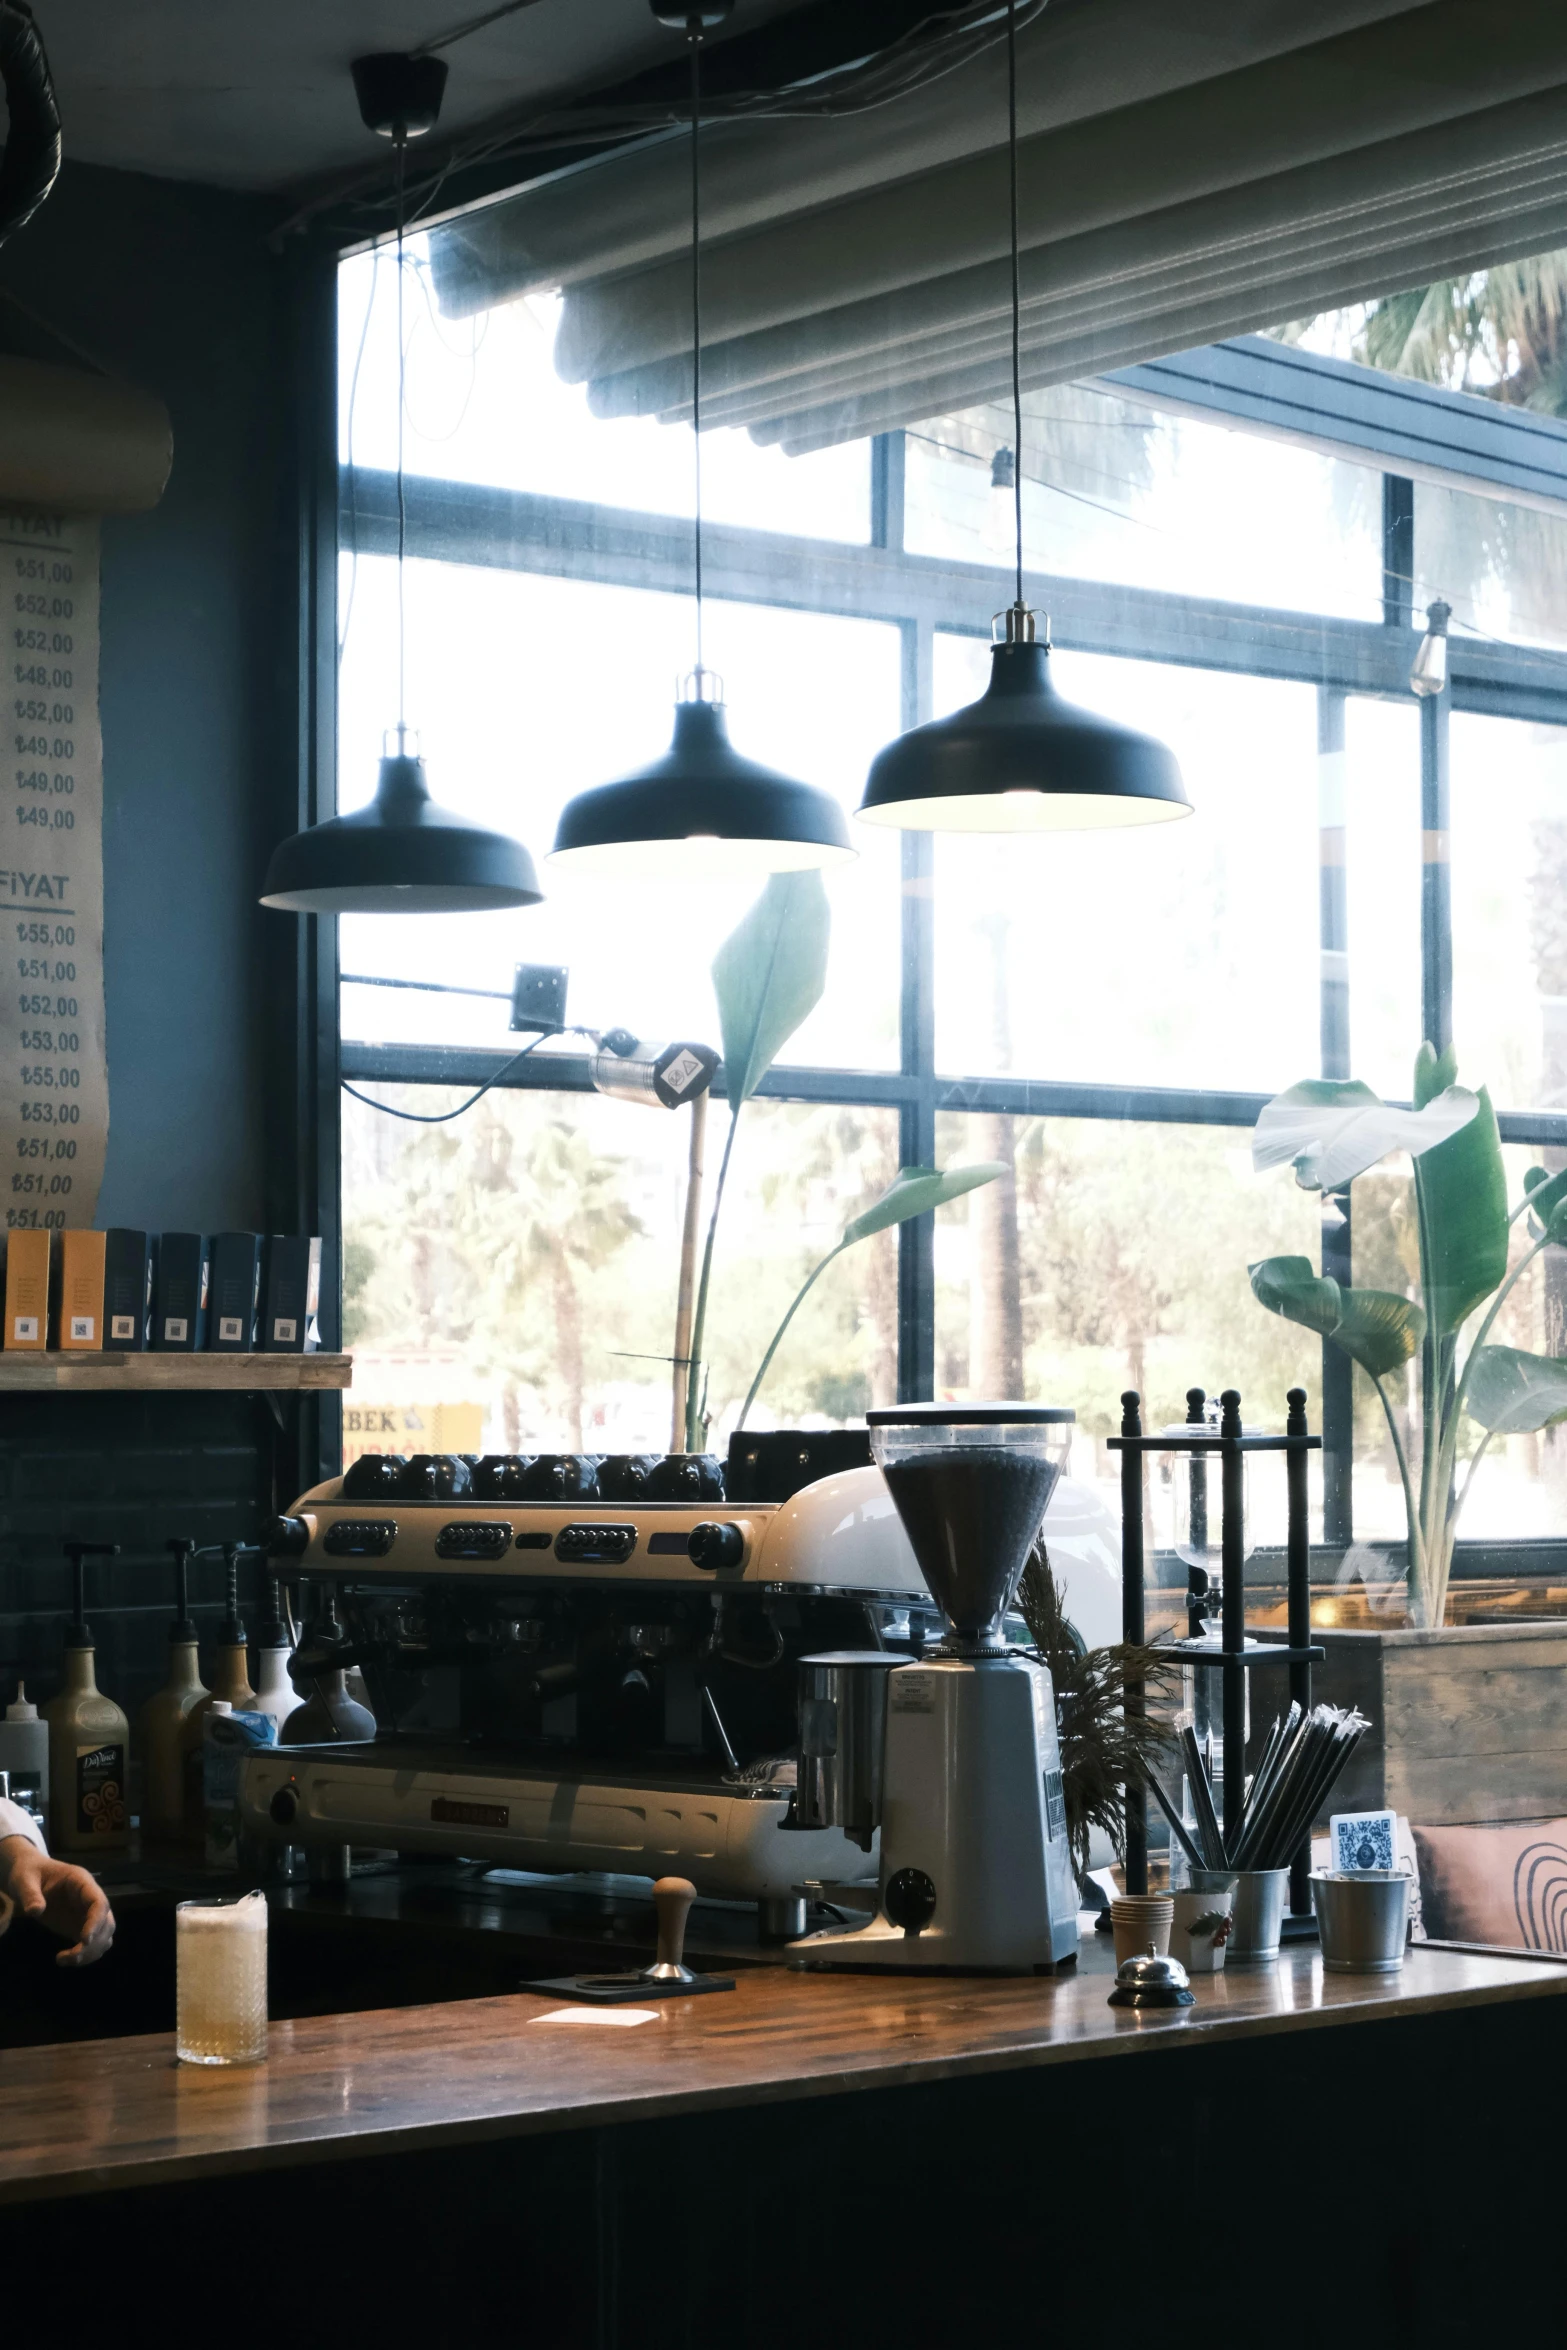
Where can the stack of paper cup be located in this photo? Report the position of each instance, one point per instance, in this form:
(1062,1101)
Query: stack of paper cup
(1141,1921)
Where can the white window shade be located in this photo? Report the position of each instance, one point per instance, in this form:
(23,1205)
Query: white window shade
(1428,142)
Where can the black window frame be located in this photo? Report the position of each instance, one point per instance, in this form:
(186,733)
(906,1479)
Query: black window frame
(1250,384)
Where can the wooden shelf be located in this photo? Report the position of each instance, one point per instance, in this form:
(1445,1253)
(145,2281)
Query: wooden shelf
(170,1373)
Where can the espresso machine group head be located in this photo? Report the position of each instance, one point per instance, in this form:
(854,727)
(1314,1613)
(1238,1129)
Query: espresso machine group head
(976,1871)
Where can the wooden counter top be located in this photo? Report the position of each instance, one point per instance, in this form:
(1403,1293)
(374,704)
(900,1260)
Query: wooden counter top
(117,2113)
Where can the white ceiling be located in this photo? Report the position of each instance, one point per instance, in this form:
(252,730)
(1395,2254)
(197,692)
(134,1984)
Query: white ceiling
(253,96)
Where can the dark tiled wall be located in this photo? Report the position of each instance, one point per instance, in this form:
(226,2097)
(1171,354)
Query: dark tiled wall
(131,1470)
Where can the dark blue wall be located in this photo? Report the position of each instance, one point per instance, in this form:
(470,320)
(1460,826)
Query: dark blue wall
(175,288)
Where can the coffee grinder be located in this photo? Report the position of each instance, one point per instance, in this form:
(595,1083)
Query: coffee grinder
(976,1871)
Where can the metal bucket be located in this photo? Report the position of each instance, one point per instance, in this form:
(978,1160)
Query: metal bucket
(1362,1919)
(843,1721)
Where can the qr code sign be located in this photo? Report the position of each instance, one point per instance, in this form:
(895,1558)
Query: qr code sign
(1364,1840)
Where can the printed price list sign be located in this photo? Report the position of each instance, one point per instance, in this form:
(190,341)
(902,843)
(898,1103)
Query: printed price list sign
(54,1075)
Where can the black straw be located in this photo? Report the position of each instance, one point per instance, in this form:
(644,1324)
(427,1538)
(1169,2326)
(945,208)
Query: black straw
(1177,1824)
(1302,1759)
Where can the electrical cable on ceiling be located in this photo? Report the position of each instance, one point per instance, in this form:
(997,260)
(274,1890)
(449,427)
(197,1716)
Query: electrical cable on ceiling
(475,24)
(938,45)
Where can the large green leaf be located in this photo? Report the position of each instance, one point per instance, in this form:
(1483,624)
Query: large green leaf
(1434,1073)
(1332,1129)
(768,977)
(1379,1329)
(1463,1207)
(1293,1287)
(1513,1394)
(1375,1327)
(1547,1194)
(914,1191)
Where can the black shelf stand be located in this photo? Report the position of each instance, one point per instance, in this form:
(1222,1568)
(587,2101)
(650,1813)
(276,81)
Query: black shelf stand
(1229,1655)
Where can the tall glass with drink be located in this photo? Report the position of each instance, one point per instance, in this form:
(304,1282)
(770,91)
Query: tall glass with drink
(221,1974)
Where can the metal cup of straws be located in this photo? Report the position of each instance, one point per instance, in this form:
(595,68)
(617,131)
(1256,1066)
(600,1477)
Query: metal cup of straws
(1260,1895)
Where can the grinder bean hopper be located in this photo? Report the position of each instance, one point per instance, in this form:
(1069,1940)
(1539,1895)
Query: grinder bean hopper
(976,1870)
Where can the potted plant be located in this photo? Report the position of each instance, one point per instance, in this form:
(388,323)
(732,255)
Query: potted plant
(768,976)
(1468,1727)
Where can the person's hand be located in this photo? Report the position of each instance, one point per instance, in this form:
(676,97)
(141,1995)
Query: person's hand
(56,1894)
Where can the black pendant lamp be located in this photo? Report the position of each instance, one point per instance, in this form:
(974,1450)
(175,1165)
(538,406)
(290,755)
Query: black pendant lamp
(402,854)
(701,812)
(1021,758)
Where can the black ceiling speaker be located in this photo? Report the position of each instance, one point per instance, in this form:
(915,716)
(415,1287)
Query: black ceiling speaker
(399,97)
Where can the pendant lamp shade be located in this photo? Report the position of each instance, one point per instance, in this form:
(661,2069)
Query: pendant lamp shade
(1023,759)
(401,855)
(702,813)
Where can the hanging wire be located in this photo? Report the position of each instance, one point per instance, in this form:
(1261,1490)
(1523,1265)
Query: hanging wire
(401,142)
(444,1117)
(1017,296)
(695,34)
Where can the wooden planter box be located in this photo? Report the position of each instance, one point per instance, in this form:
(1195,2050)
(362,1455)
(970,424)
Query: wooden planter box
(1468,1725)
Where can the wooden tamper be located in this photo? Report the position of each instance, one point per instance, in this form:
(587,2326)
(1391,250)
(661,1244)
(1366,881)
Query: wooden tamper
(672,1899)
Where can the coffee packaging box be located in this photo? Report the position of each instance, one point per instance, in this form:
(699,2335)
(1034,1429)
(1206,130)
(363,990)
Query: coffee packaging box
(290,1295)
(179,1293)
(233,1288)
(78,1293)
(27,1261)
(127,1289)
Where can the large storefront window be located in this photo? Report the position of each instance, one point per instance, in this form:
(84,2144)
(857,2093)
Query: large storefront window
(1104,1014)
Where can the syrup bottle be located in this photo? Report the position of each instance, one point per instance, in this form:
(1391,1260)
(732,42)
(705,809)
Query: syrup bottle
(231,1683)
(163,1715)
(89,1737)
(275,1692)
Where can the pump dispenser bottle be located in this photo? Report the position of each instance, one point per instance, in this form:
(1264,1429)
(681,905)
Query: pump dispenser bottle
(231,1683)
(163,1715)
(275,1692)
(89,1738)
(231,1666)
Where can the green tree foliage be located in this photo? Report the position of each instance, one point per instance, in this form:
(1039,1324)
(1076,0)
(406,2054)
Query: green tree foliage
(1121,1283)
(541,1232)
(1501,333)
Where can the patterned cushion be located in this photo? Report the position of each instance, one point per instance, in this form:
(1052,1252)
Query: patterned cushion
(1505,1885)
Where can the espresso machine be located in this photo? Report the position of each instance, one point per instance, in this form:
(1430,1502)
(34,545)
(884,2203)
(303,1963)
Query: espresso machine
(581,1663)
(975,1866)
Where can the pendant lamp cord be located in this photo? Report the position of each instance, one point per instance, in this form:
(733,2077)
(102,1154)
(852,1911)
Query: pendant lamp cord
(1017,299)
(401,146)
(694,35)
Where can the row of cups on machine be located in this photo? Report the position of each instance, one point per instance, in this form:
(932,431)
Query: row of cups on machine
(535,1477)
